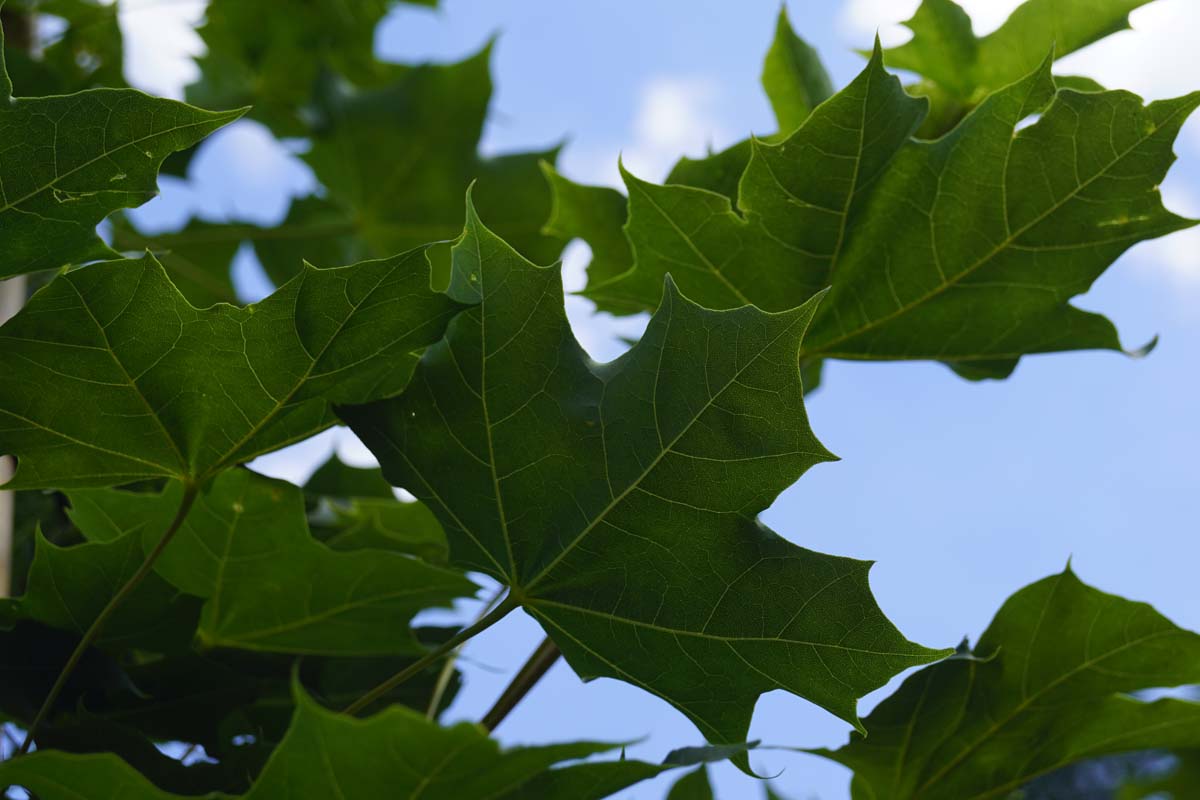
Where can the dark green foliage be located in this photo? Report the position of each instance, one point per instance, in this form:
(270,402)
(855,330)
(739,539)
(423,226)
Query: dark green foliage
(115,377)
(200,608)
(70,161)
(1048,684)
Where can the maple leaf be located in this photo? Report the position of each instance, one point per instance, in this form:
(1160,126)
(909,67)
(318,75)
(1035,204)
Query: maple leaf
(965,250)
(1049,687)
(112,376)
(266,583)
(70,161)
(618,501)
(396,753)
(960,69)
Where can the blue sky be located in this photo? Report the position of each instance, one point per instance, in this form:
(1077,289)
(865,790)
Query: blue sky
(961,492)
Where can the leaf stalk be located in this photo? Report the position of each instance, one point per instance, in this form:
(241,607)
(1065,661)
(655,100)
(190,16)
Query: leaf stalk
(509,604)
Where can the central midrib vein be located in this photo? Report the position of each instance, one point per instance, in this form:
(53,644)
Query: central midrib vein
(616,501)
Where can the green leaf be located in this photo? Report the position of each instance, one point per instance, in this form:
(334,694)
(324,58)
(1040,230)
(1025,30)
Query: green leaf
(1060,661)
(112,376)
(395,160)
(961,69)
(396,753)
(87,733)
(335,478)
(965,250)
(36,515)
(87,53)
(619,501)
(219,698)
(200,266)
(72,160)
(268,585)
(945,49)
(356,508)
(67,588)
(274,67)
(793,77)
(56,775)
(943,267)
(595,214)
(692,786)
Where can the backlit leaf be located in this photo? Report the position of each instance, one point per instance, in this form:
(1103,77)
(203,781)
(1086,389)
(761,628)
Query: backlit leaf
(965,250)
(268,585)
(111,376)
(1059,662)
(69,161)
(619,501)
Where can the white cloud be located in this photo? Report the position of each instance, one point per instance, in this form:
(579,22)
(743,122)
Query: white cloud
(861,19)
(676,116)
(160,42)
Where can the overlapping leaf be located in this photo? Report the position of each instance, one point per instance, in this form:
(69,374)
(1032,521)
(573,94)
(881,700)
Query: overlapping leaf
(68,586)
(394,161)
(70,161)
(274,67)
(356,508)
(793,77)
(396,753)
(88,52)
(245,548)
(965,250)
(960,69)
(692,786)
(111,376)
(795,82)
(618,501)
(1058,663)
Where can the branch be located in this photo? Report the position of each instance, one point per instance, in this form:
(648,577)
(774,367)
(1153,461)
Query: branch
(500,612)
(93,631)
(542,659)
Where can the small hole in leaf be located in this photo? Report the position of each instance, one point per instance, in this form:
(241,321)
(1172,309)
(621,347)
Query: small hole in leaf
(1032,119)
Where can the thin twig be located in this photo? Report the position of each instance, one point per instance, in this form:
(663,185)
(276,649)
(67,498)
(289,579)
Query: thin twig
(447,672)
(542,659)
(498,613)
(93,631)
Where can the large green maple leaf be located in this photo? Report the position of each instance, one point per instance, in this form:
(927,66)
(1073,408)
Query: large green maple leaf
(1052,687)
(965,250)
(112,376)
(69,161)
(267,584)
(618,501)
